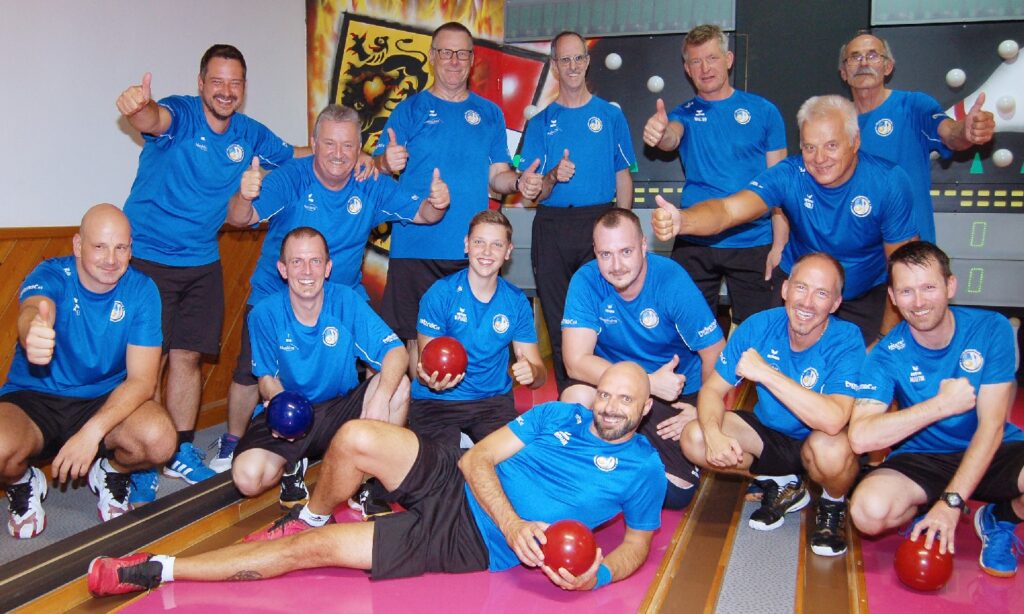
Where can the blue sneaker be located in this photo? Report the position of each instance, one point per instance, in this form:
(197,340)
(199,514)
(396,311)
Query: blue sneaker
(144,486)
(225,452)
(999,546)
(188,465)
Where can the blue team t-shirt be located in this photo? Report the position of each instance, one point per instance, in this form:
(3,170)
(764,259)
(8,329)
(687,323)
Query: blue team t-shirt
(566,472)
(669,317)
(180,196)
(830,366)
(449,308)
(93,331)
(292,196)
(723,147)
(462,140)
(599,144)
(905,130)
(318,361)
(850,222)
(898,367)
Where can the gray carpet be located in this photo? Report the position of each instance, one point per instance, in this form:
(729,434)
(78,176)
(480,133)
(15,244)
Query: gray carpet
(74,509)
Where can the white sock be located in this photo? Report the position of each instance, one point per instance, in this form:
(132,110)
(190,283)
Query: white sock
(828,497)
(781,480)
(167,567)
(25,478)
(313,520)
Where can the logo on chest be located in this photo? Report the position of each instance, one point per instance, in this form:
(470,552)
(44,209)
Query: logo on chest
(860,206)
(916,375)
(742,116)
(432,118)
(595,124)
(354,205)
(649,318)
(330,336)
(472,117)
(699,116)
(235,152)
(809,378)
(883,127)
(500,323)
(563,437)
(971,360)
(117,312)
(606,463)
(460,316)
(310,204)
(809,201)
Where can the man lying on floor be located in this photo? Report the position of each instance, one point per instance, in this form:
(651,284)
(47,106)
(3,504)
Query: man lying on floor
(466,514)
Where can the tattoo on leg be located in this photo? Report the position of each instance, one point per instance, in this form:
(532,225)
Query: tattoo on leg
(246,575)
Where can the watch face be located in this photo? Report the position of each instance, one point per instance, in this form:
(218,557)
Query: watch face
(953,499)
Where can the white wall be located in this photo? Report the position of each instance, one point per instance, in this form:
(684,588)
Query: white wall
(64,62)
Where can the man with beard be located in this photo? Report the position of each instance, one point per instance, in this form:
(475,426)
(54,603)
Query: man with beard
(631,305)
(804,363)
(579,153)
(485,510)
(950,370)
(905,127)
(196,149)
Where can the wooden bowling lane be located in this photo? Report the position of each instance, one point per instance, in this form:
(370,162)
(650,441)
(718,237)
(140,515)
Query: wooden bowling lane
(829,584)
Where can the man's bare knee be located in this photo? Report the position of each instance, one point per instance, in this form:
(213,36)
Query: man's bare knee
(692,442)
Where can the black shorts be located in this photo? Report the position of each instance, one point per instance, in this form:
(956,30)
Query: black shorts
(243,364)
(741,267)
(933,472)
(408,280)
(780,454)
(328,417)
(866,311)
(443,421)
(192,303)
(57,417)
(669,449)
(437,533)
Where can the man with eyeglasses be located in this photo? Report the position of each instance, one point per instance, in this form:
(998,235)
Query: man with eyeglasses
(905,127)
(461,134)
(577,155)
(845,203)
(752,127)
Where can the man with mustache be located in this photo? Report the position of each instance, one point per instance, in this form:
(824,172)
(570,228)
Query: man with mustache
(484,509)
(577,155)
(905,127)
(196,149)
(631,305)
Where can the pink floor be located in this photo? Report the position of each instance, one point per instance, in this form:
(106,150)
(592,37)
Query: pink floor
(519,590)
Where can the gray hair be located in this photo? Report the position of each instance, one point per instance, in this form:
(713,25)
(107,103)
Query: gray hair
(823,106)
(885,47)
(337,113)
(563,34)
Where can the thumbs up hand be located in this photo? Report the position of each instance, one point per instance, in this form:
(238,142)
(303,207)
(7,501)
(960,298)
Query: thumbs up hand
(439,196)
(666,220)
(565,169)
(136,97)
(522,369)
(252,181)
(395,156)
(654,129)
(531,182)
(41,338)
(979,125)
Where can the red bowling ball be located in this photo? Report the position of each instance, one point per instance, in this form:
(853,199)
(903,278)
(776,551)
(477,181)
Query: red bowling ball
(922,569)
(445,355)
(570,545)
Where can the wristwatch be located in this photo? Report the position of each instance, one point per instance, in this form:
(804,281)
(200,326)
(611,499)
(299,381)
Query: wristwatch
(953,500)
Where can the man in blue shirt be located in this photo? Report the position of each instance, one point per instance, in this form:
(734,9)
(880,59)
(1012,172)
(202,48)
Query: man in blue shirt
(576,158)
(485,510)
(631,305)
(326,193)
(905,127)
(850,205)
(805,364)
(725,138)
(196,149)
(81,382)
(951,372)
(306,339)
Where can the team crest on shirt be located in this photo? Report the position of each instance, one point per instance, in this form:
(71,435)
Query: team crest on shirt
(971,360)
(649,318)
(883,127)
(606,463)
(330,336)
(235,152)
(354,205)
(742,116)
(595,124)
(500,323)
(809,378)
(860,206)
(472,117)
(117,312)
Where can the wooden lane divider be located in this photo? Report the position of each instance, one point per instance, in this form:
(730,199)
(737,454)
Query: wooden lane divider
(829,583)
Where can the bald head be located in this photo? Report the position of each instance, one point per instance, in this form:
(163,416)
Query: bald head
(623,399)
(102,247)
(102,215)
(629,371)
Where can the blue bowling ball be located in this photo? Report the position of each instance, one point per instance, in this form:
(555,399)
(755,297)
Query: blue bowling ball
(289,415)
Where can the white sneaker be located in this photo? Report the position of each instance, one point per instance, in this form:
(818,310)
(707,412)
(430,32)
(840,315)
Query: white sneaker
(27,518)
(113,488)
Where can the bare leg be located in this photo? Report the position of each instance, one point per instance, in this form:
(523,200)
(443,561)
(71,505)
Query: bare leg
(830,461)
(398,405)
(241,401)
(692,442)
(144,439)
(20,440)
(885,499)
(184,385)
(255,471)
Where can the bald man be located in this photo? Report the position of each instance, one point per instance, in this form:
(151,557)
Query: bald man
(81,384)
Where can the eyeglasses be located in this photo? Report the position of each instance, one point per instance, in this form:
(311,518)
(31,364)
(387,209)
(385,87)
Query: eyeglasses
(572,59)
(871,57)
(446,54)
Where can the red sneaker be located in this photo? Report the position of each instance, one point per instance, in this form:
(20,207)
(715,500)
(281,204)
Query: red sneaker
(286,525)
(128,574)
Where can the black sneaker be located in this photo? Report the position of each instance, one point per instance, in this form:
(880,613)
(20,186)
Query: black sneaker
(829,537)
(777,502)
(293,485)
(368,500)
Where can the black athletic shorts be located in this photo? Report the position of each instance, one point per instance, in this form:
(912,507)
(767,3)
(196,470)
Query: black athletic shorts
(741,267)
(444,421)
(933,472)
(408,280)
(192,304)
(243,364)
(328,417)
(781,453)
(57,417)
(866,311)
(437,533)
(671,453)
